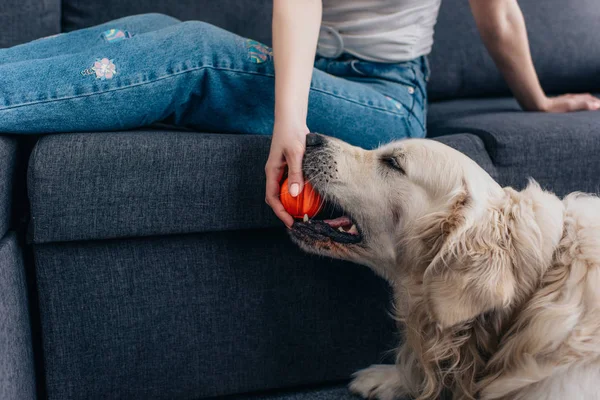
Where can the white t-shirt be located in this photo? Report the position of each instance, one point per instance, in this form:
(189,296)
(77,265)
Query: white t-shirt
(378,30)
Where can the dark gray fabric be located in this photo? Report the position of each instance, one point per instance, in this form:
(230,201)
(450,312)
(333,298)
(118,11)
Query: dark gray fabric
(558,150)
(17,380)
(128,184)
(25,20)
(565,51)
(105,185)
(246,18)
(8,160)
(333,392)
(338,392)
(185,317)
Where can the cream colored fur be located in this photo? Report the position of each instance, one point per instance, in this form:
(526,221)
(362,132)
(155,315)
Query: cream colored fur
(497,292)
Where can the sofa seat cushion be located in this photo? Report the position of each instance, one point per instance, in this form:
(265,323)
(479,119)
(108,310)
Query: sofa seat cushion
(130,184)
(560,151)
(8,160)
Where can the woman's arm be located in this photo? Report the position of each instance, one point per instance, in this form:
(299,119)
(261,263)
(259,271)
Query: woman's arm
(296,26)
(502,29)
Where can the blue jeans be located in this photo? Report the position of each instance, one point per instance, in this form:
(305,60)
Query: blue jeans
(151,68)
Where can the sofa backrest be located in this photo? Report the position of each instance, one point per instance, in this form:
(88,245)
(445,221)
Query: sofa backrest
(247,18)
(25,20)
(565,44)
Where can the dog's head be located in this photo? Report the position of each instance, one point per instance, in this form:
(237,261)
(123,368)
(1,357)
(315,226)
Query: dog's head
(419,211)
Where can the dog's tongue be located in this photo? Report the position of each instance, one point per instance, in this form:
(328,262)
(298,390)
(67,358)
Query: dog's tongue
(339,221)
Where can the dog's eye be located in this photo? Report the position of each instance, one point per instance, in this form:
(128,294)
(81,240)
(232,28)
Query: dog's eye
(392,162)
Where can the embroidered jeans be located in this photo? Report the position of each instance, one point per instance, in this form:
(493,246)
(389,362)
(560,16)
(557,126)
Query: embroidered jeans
(151,68)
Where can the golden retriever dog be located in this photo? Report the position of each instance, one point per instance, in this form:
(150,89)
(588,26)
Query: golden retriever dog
(497,291)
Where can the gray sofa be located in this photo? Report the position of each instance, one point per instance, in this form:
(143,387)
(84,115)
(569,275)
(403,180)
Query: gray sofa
(146,265)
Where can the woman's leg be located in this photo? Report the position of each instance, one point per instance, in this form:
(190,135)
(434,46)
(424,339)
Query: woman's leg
(189,74)
(83,39)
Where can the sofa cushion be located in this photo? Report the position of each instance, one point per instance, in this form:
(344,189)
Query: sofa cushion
(25,20)
(560,151)
(17,378)
(109,185)
(192,316)
(124,184)
(246,18)
(8,160)
(565,53)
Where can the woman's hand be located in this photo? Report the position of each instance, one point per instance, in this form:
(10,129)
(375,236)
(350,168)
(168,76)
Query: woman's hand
(287,149)
(571,102)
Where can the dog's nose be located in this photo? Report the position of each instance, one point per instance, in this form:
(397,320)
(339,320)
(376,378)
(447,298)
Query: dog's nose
(314,140)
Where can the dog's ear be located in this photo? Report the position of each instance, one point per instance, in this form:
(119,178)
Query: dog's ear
(489,258)
(472,273)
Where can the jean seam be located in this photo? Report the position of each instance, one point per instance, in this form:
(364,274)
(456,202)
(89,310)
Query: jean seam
(416,87)
(32,103)
(359,103)
(133,85)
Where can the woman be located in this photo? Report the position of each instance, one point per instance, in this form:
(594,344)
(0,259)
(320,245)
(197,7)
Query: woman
(366,85)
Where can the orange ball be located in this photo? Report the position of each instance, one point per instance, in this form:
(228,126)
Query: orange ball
(307,202)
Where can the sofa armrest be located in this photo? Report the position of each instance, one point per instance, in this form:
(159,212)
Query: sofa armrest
(8,165)
(17,376)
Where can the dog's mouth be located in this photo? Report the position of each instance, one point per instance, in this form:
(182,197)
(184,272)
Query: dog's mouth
(332,223)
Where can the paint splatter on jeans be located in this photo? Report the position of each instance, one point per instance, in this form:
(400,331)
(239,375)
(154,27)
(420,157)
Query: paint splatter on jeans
(258,52)
(115,35)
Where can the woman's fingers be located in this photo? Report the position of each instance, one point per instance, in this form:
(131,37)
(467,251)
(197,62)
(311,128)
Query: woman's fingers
(293,157)
(574,102)
(274,173)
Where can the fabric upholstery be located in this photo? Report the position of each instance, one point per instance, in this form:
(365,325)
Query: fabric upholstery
(8,160)
(191,316)
(329,392)
(560,151)
(337,392)
(332,392)
(247,18)
(128,184)
(25,20)
(17,379)
(108,185)
(565,52)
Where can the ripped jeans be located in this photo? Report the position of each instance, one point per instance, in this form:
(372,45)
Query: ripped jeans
(152,68)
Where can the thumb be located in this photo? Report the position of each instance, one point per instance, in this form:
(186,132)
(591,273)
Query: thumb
(295,176)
